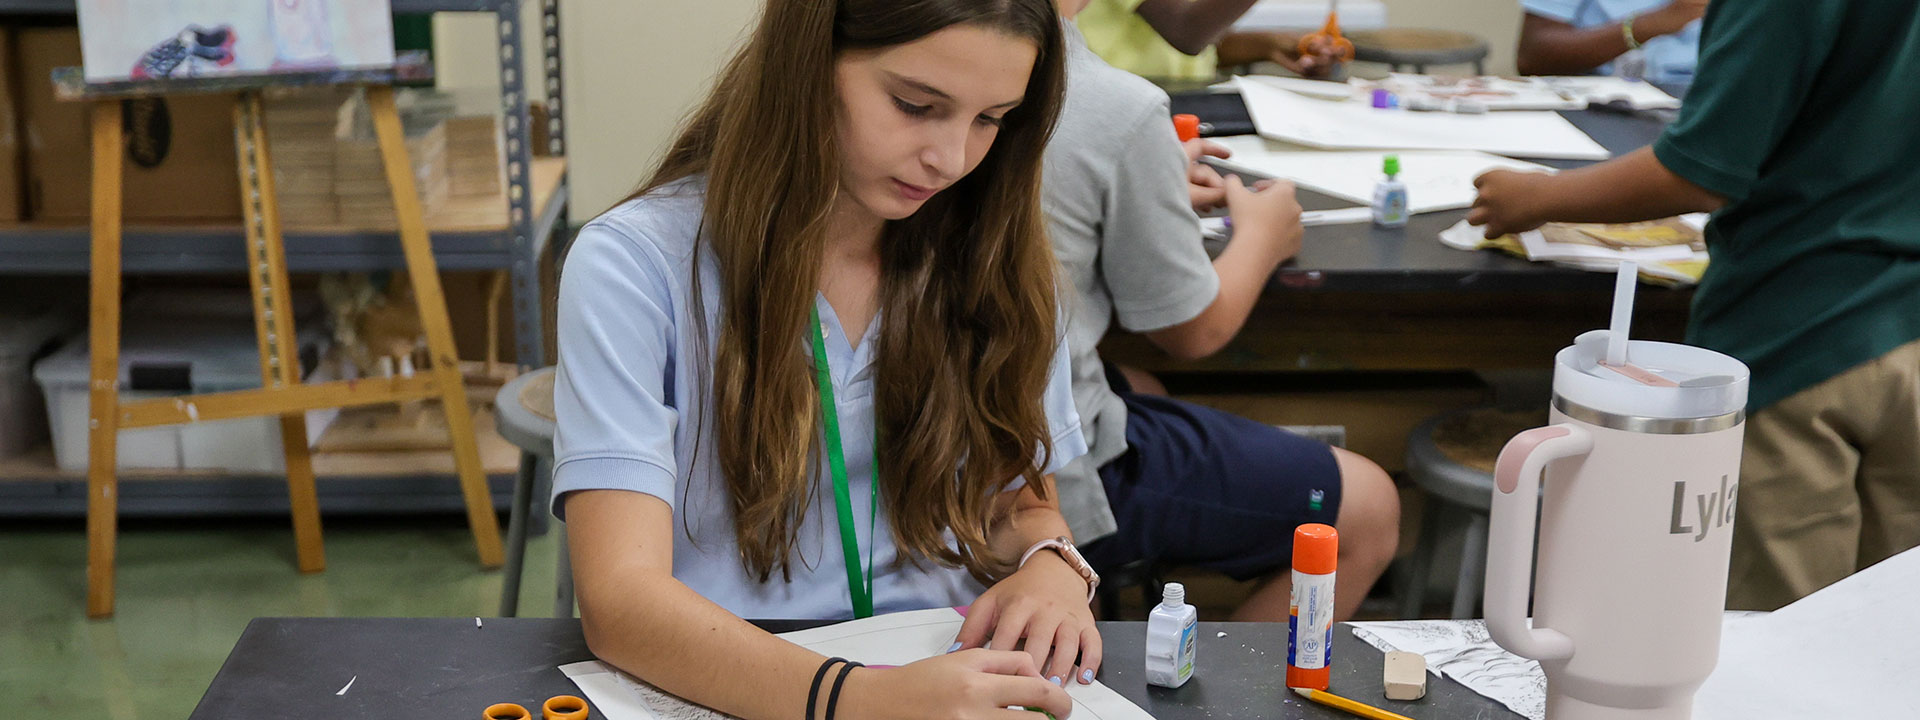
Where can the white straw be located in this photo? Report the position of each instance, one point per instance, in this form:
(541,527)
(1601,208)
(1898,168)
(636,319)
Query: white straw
(1623,286)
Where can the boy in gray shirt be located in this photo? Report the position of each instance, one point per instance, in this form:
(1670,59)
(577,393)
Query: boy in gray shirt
(1168,480)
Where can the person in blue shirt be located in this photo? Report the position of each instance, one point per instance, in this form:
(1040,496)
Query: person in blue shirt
(813,369)
(1581,37)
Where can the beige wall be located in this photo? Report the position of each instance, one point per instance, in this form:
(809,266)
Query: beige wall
(1496,20)
(633,67)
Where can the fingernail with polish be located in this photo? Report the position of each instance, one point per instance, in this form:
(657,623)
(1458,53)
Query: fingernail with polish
(1086,676)
(1057,681)
(952,648)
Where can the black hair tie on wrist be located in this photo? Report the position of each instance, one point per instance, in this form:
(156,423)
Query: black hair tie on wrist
(833,698)
(813,694)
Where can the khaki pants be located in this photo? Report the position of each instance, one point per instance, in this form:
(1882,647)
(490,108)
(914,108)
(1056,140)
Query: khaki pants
(1829,482)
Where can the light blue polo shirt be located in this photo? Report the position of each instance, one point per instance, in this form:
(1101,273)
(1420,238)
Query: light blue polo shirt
(627,411)
(1670,58)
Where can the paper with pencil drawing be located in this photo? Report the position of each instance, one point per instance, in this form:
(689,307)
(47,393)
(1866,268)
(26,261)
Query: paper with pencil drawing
(886,640)
(1351,125)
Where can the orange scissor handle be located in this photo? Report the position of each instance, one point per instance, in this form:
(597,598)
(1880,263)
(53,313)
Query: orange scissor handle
(1342,47)
(564,707)
(505,711)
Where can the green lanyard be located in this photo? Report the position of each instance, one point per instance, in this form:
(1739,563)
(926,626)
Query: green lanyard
(858,585)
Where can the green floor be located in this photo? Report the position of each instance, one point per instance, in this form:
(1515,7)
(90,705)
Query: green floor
(187,589)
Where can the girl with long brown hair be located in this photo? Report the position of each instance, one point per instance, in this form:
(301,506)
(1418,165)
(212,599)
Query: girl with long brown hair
(813,369)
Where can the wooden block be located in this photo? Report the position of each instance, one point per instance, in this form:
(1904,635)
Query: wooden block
(1405,676)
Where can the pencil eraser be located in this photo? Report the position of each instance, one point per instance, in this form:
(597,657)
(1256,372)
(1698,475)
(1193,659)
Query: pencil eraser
(1405,676)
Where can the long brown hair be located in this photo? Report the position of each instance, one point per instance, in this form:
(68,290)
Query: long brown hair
(966,293)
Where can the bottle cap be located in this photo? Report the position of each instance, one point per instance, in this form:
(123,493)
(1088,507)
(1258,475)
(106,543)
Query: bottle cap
(1316,548)
(1173,595)
(1186,126)
(1392,165)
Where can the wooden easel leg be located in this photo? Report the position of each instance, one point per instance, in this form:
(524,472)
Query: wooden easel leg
(433,319)
(496,290)
(273,320)
(103,336)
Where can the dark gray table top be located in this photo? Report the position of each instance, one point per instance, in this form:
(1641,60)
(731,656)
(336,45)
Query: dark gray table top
(421,668)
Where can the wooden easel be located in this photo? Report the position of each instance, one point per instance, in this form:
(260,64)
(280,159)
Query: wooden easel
(282,393)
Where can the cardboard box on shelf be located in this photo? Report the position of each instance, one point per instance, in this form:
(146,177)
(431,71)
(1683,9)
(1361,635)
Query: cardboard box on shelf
(301,125)
(180,162)
(12,198)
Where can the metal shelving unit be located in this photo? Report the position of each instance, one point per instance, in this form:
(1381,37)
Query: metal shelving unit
(518,246)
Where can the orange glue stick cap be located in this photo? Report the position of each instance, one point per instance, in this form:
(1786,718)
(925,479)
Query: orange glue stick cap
(1316,548)
(1186,126)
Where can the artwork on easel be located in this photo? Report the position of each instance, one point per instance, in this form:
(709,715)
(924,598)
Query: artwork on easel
(149,40)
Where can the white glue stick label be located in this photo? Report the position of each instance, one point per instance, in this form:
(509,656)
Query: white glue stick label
(1310,624)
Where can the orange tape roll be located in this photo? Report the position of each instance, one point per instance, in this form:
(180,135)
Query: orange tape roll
(564,707)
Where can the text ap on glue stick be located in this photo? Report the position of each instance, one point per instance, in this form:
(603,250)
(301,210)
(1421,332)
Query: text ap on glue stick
(1316,549)
(1171,638)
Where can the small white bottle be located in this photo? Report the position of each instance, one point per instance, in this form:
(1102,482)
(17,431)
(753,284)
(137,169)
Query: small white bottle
(1390,196)
(1171,638)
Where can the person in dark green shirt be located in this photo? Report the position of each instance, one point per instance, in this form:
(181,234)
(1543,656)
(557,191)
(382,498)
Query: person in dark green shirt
(1802,134)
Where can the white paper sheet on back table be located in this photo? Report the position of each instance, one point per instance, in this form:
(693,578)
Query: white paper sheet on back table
(885,640)
(1353,125)
(1436,179)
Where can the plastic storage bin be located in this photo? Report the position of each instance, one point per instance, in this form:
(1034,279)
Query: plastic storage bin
(182,358)
(23,423)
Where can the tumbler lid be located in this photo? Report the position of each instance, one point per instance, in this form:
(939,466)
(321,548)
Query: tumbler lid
(1659,380)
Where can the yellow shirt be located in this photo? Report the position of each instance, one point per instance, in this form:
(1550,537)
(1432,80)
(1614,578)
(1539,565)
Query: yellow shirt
(1124,39)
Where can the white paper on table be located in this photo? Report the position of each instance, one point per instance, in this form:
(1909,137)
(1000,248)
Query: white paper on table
(1323,89)
(1435,180)
(885,640)
(1846,651)
(1637,94)
(1349,125)
(1501,94)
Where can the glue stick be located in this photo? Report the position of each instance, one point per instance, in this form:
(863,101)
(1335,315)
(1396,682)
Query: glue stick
(1316,549)
(1186,127)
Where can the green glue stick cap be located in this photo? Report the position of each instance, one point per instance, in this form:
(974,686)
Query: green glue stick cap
(1392,165)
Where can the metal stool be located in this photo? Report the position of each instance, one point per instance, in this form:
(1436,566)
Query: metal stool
(1419,48)
(1456,488)
(525,409)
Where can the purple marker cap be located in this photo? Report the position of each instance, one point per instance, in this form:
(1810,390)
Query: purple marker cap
(1381,98)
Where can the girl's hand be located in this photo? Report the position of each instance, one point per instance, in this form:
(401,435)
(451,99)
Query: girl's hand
(1044,604)
(1206,190)
(970,685)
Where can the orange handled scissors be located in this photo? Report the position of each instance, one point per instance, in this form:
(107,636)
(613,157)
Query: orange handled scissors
(1342,48)
(558,707)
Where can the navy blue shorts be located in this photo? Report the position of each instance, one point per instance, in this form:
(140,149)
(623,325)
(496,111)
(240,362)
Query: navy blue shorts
(1199,487)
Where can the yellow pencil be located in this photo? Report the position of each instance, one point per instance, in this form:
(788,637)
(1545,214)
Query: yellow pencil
(1353,706)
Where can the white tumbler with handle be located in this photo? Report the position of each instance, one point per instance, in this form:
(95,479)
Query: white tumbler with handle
(1635,481)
